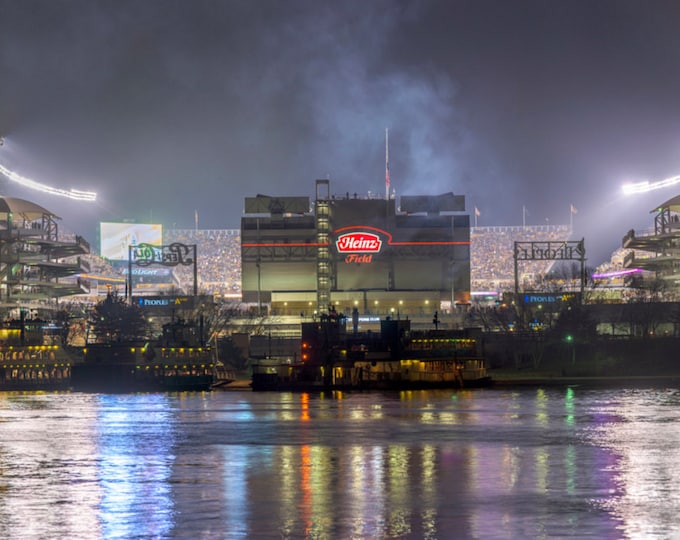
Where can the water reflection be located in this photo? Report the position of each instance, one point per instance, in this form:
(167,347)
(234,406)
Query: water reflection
(45,478)
(134,439)
(424,465)
(641,430)
(533,463)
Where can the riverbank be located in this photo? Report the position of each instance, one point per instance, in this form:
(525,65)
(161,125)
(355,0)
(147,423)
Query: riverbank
(508,378)
(237,384)
(528,377)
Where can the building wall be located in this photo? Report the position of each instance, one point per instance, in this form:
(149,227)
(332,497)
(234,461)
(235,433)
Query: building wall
(423,259)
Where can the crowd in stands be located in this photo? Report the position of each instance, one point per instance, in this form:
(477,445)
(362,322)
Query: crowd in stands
(219,259)
(492,265)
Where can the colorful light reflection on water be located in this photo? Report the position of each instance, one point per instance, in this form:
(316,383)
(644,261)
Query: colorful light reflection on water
(530,463)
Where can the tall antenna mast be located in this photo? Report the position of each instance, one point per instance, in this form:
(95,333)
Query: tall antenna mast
(387,166)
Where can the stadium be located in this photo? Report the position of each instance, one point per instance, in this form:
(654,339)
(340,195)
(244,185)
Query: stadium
(430,258)
(219,259)
(377,258)
(355,253)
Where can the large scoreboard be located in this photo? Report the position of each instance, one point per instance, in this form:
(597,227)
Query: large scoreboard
(116,238)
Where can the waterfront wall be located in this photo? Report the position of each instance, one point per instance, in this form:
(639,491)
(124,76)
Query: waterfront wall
(597,357)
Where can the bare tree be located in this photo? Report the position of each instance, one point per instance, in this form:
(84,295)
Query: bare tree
(646,308)
(114,320)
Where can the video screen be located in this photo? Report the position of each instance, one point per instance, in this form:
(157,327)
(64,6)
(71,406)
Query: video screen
(116,238)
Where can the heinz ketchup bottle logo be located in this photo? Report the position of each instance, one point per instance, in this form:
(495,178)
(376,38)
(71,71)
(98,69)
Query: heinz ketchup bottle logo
(360,242)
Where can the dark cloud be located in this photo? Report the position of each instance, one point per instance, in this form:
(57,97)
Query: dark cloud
(168,107)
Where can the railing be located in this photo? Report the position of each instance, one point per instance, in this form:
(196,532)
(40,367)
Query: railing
(80,241)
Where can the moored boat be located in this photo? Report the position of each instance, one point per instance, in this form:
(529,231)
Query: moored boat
(173,363)
(126,368)
(35,367)
(31,358)
(395,358)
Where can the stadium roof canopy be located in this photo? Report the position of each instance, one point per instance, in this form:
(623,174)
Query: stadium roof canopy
(447,202)
(671,204)
(23,208)
(264,204)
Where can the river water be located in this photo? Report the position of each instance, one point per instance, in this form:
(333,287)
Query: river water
(536,462)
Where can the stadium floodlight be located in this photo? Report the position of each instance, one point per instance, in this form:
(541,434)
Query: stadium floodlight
(27,182)
(644,187)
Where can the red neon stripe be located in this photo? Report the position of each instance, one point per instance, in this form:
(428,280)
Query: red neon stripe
(389,243)
(429,243)
(285,245)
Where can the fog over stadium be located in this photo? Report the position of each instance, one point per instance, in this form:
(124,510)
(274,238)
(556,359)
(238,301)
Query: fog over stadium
(168,110)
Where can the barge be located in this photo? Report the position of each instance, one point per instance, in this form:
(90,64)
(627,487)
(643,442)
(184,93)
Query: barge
(176,362)
(395,358)
(32,357)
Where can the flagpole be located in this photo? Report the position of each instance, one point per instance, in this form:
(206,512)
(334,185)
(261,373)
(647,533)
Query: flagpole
(387,166)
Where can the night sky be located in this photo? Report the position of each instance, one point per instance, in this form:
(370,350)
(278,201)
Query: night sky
(168,108)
